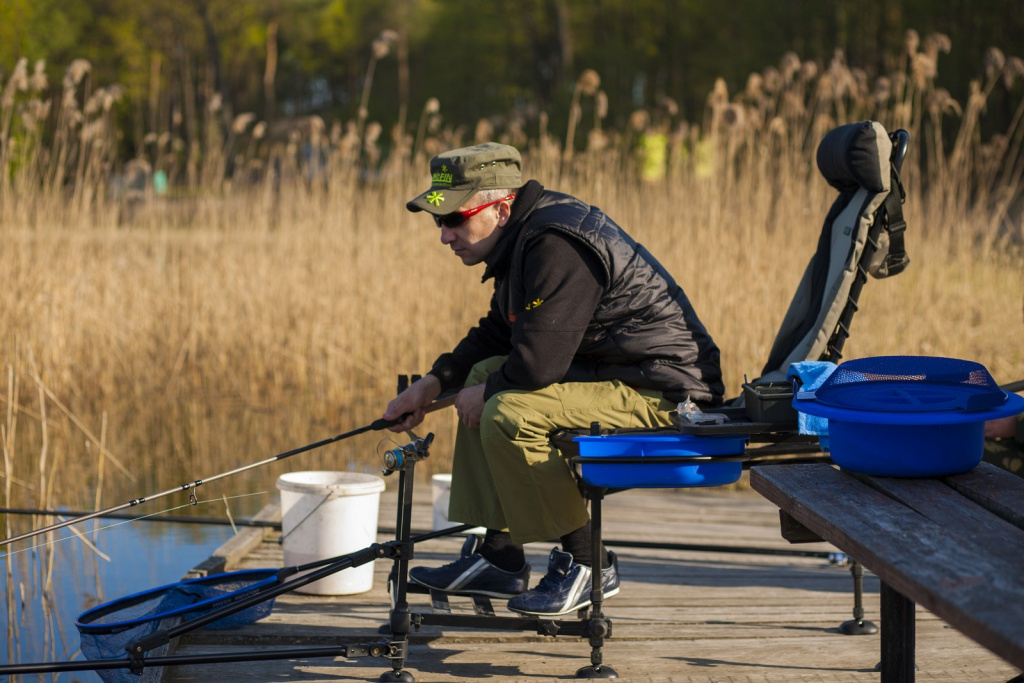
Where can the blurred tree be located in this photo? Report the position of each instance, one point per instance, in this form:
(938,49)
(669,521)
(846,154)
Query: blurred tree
(482,62)
(475,61)
(42,29)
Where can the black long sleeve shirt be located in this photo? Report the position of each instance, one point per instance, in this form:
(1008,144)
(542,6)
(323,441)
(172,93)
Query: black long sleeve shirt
(564,282)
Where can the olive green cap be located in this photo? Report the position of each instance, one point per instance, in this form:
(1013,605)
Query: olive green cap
(457,175)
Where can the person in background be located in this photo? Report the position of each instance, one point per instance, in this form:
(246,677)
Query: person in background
(584,325)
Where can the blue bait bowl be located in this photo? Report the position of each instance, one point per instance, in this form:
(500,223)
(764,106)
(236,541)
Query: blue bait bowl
(660,460)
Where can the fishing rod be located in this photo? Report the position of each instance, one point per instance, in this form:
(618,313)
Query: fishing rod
(442,402)
(376,425)
(1013,386)
(171,519)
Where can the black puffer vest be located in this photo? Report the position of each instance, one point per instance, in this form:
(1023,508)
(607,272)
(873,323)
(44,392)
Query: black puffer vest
(644,331)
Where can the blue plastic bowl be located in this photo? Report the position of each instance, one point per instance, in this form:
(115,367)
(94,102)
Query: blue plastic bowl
(906,450)
(660,460)
(907,444)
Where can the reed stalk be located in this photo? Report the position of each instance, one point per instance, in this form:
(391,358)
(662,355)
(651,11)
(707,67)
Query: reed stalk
(100,469)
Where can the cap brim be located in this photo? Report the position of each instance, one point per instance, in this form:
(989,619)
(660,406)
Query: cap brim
(441,201)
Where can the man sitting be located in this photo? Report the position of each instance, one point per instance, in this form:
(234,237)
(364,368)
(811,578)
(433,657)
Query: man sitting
(584,325)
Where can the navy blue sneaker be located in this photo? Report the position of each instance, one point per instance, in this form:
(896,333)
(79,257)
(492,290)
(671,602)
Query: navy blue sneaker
(472,575)
(566,587)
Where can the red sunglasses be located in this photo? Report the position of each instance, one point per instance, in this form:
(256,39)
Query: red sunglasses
(457,218)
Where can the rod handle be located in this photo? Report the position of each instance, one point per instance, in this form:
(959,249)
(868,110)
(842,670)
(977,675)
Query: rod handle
(443,402)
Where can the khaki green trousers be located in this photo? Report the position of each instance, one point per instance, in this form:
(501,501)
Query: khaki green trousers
(507,474)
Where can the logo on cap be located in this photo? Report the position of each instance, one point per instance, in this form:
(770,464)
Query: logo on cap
(442,177)
(435,198)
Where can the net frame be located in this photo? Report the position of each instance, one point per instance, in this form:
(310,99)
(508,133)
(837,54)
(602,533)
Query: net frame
(242,583)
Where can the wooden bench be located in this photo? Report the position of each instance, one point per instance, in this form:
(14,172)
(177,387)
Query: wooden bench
(954,545)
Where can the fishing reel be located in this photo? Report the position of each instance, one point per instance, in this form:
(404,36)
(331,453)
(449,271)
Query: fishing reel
(395,459)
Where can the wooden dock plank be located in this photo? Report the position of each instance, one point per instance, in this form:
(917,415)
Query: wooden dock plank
(1002,496)
(680,616)
(974,526)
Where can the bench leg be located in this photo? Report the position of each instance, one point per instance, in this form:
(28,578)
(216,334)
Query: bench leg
(898,636)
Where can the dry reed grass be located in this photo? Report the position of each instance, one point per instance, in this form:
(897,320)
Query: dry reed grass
(154,339)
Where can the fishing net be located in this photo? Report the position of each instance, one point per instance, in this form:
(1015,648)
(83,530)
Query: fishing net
(106,630)
(911,384)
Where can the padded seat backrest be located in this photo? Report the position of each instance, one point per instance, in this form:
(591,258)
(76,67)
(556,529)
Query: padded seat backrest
(854,159)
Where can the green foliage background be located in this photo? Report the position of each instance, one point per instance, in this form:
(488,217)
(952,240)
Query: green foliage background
(495,59)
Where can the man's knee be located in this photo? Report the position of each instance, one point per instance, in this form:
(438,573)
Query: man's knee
(507,416)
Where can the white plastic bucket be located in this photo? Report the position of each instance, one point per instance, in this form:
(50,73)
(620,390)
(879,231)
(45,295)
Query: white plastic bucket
(440,495)
(326,514)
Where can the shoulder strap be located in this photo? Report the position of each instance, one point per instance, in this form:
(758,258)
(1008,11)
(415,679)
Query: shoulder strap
(891,214)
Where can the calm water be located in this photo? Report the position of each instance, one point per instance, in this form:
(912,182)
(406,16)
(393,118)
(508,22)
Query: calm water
(143,555)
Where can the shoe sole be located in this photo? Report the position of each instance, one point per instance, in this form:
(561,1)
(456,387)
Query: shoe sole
(574,608)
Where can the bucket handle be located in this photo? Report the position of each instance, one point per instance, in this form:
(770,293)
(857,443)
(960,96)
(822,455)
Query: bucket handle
(308,515)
